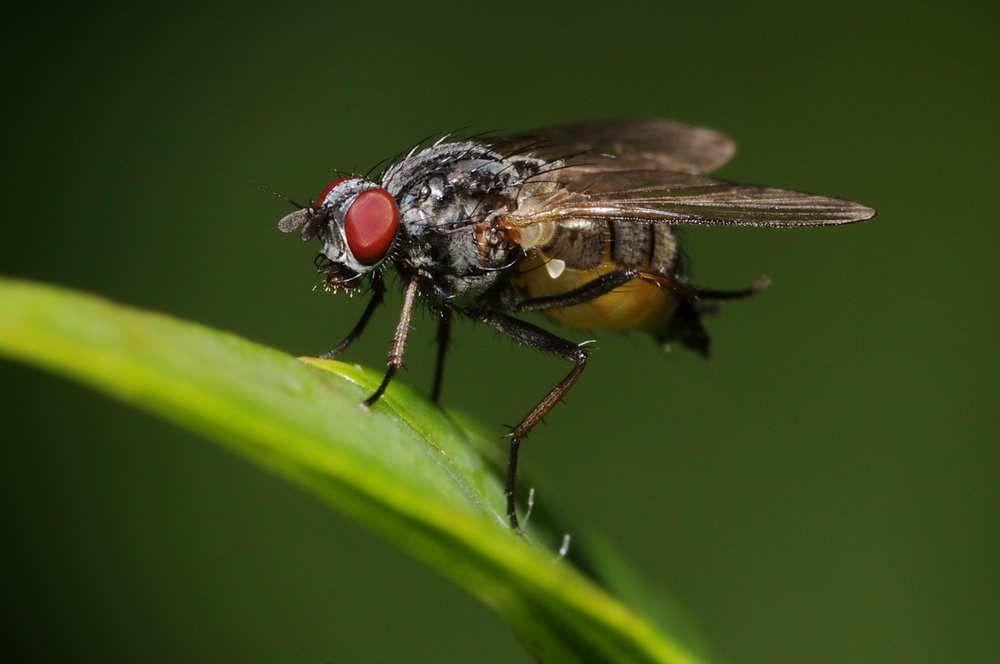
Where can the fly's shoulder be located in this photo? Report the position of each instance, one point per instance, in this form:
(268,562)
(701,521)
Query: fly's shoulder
(446,170)
(450,185)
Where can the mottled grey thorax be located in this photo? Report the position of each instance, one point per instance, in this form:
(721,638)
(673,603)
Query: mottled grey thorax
(450,197)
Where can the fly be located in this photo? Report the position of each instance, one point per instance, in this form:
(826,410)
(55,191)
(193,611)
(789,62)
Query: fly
(575,222)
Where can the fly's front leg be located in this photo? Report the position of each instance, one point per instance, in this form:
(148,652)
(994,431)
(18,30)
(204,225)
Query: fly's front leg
(398,342)
(378,291)
(543,340)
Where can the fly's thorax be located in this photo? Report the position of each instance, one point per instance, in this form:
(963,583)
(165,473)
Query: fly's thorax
(448,186)
(462,265)
(452,198)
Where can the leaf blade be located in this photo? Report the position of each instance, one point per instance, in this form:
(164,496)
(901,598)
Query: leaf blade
(404,469)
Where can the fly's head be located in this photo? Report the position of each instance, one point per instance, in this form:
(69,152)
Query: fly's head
(357,221)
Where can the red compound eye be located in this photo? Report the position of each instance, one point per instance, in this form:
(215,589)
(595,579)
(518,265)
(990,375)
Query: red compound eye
(370,225)
(329,188)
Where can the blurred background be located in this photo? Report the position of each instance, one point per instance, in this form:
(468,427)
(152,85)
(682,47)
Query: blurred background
(824,489)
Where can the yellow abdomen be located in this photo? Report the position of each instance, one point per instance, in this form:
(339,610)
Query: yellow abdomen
(638,305)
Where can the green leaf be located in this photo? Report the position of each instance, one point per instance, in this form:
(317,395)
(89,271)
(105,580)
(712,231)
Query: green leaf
(404,469)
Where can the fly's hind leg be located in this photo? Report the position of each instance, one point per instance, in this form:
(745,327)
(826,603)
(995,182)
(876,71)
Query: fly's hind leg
(709,294)
(591,290)
(536,337)
(543,340)
(693,305)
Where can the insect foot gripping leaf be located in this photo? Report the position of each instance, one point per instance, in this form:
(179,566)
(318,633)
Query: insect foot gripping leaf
(574,222)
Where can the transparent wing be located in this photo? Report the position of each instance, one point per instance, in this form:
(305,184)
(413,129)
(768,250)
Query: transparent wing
(679,198)
(624,145)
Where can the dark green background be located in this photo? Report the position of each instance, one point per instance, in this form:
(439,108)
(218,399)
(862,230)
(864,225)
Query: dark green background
(825,489)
